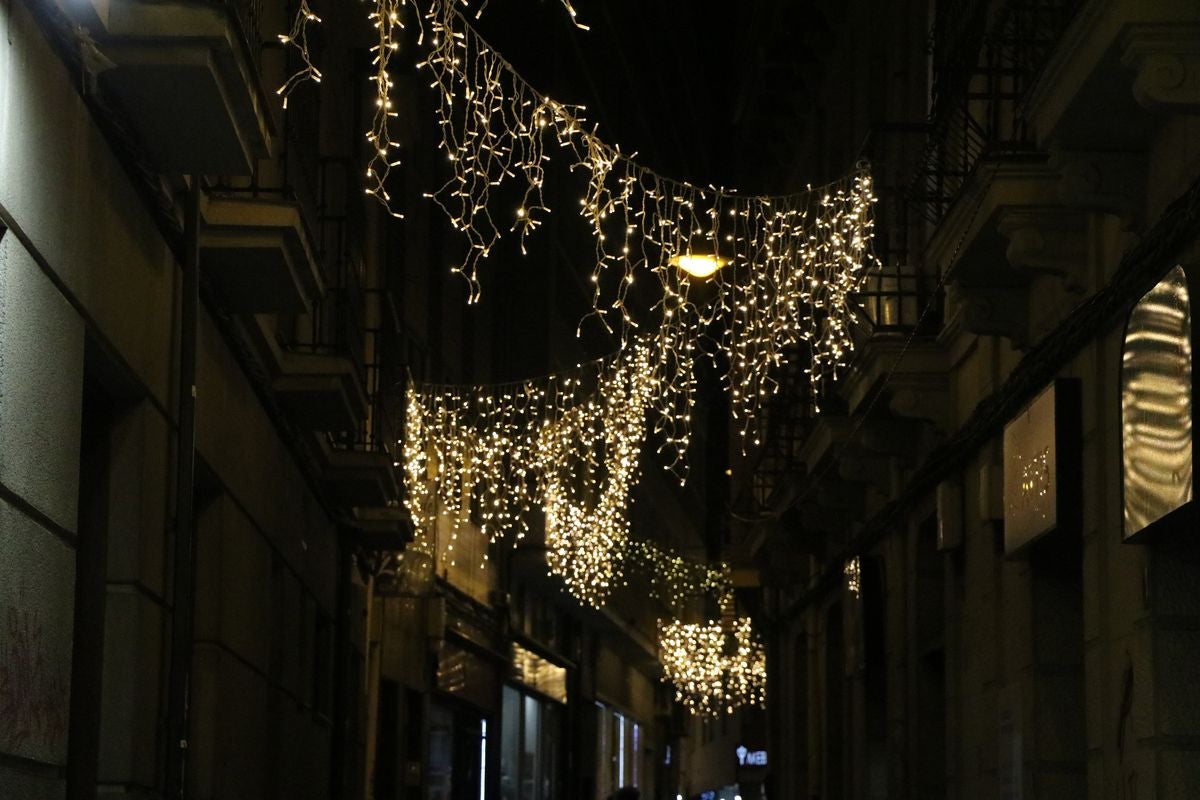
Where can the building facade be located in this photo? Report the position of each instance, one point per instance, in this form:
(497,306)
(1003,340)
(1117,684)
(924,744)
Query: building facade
(975,567)
(205,332)
(982,560)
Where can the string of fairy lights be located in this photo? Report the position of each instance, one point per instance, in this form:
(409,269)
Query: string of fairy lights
(569,444)
(716,667)
(791,263)
(387,18)
(784,269)
(297,38)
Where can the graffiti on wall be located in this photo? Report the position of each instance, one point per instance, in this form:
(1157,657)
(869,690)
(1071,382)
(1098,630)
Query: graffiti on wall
(33,686)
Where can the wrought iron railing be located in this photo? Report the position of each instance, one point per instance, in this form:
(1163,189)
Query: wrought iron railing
(380,430)
(983,66)
(249,15)
(335,324)
(898,296)
(899,299)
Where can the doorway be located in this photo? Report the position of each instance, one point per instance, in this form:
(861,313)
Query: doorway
(457,754)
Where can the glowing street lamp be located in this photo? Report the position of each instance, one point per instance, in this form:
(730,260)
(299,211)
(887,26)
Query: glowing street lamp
(698,265)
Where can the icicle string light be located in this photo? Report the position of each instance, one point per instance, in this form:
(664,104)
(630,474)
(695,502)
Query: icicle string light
(388,20)
(297,38)
(588,462)
(716,668)
(674,579)
(793,261)
(566,4)
(568,443)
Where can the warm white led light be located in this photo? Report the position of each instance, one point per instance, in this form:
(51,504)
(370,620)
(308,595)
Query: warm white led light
(794,260)
(710,677)
(568,443)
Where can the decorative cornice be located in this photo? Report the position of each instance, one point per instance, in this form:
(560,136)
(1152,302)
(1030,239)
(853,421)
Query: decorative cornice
(1167,62)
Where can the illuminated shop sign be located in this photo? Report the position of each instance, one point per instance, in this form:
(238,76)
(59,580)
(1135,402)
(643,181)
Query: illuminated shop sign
(708,796)
(751,758)
(1041,466)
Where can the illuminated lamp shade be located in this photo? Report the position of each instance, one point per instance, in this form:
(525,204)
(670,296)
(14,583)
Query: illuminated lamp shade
(698,265)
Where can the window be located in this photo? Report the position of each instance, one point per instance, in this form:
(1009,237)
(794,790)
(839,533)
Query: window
(1156,404)
(530,754)
(618,751)
(463,557)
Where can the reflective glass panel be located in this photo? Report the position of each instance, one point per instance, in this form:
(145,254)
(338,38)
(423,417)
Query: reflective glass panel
(1156,404)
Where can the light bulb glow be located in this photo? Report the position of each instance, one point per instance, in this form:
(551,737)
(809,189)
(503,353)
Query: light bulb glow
(568,444)
(710,678)
(795,261)
(698,265)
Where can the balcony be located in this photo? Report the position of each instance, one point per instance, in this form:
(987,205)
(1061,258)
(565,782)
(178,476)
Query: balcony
(1115,57)
(381,529)
(360,468)
(319,374)
(360,464)
(984,65)
(258,256)
(360,479)
(186,79)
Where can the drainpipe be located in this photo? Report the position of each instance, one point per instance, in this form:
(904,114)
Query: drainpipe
(184,570)
(339,740)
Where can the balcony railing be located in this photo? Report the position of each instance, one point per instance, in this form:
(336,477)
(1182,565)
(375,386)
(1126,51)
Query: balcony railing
(249,17)
(335,325)
(983,67)
(898,299)
(380,429)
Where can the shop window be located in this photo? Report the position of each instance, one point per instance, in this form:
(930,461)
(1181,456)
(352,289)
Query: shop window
(1157,404)
(618,752)
(457,762)
(530,750)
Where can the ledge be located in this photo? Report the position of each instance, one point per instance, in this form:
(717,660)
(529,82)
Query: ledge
(258,255)
(184,79)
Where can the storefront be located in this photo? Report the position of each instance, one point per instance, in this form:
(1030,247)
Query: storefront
(533,728)
(458,738)
(462,721)
(620,746)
